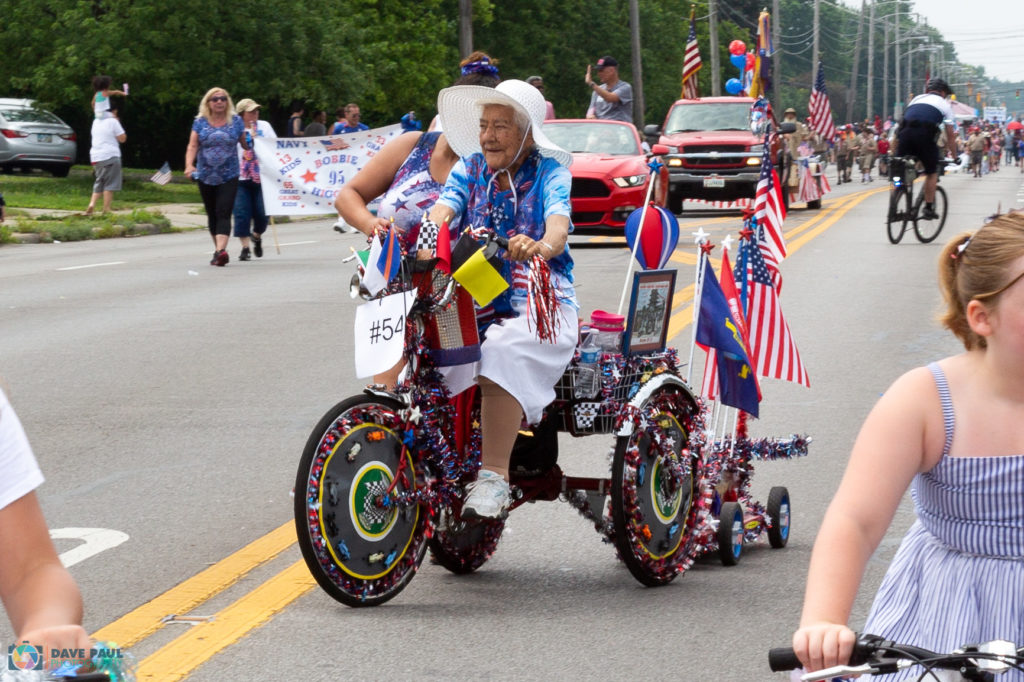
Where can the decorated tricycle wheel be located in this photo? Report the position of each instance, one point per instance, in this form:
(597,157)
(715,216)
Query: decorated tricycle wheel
(464,546)
(778,513)
(730,533)
(653,491)
(360,525)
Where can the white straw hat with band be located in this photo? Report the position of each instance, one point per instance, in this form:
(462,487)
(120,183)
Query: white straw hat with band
(460,107)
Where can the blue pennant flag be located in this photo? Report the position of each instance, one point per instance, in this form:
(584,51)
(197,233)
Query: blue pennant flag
(390,259)
(716,328)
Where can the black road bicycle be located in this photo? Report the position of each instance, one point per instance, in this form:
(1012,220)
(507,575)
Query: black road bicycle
(904,208)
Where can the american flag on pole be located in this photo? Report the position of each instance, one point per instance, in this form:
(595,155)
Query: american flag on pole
(773,351)
(770,212)
(820,108)
(691,62)
(162,176)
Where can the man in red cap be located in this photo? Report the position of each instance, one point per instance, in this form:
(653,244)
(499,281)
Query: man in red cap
(613,98)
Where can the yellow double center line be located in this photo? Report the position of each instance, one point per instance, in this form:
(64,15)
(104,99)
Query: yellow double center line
(181,656)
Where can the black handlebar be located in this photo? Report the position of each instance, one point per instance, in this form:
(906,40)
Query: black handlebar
(782,658)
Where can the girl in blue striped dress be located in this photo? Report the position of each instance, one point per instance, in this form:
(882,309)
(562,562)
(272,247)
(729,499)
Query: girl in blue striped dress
(951,432)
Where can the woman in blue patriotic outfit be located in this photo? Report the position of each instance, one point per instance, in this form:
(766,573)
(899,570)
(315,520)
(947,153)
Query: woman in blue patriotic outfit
(212,161)
(514,180)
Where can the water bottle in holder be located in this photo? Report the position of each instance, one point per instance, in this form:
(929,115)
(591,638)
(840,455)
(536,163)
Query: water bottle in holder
(588,371)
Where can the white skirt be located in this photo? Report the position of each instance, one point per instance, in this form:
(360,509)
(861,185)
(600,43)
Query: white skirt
(514,358)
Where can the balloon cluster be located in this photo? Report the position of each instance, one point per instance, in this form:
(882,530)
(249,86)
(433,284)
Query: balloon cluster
(742,60)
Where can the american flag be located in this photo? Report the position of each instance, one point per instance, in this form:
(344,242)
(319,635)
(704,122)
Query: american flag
(770,212)
(820,108)
(162,176)
(773,351)
(334,144)
(691,62)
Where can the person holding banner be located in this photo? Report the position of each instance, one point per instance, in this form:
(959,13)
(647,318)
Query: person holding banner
(250,216)
(211,160)
(514,180)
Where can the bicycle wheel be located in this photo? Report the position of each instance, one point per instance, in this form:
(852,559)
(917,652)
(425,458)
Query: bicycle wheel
(462,547)
(928,230)
(653,491)
(362,543)
(896,223)
(730,533)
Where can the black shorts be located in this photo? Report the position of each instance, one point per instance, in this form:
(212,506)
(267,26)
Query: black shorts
(920,142)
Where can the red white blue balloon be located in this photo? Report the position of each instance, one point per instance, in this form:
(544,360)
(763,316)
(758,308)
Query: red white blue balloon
(658,239)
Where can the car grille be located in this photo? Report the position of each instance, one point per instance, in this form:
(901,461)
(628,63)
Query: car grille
(708,148)
(586,217)
(589,187)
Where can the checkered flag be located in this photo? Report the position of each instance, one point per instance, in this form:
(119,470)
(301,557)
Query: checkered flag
(427,238)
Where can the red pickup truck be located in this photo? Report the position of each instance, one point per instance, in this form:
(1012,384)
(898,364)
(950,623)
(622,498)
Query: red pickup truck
(710,148)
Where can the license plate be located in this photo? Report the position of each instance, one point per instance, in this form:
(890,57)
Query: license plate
(44,137)
(714,182)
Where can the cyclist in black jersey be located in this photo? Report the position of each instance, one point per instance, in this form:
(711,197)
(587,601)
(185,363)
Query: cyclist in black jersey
(918,136)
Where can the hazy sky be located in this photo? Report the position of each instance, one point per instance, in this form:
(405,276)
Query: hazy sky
(987,33)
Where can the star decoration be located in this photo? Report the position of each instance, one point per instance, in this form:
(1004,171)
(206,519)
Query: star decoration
(727,242)
(655,165)
(706,247)
(700,236)
(414,415)
(748,213)
(747,234)
(308,176)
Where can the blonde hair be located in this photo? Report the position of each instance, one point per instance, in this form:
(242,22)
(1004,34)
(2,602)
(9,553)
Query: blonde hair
(204,103)
(975,267)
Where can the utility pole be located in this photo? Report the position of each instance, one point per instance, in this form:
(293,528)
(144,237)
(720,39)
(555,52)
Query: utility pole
(465,28)
(777,57)
(852,92)
(638,78)
(897,102)
(871,61)
(815,55)
(716,79)
(885,67)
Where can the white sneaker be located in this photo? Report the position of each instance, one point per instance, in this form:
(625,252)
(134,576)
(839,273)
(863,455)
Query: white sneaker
(487,497)
(342,227)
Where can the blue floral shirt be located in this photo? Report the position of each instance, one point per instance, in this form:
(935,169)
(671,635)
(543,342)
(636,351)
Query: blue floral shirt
(217,160)
(542,188)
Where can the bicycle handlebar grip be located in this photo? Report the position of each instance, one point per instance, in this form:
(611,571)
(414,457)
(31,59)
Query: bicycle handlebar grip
(783,658)
(500,241)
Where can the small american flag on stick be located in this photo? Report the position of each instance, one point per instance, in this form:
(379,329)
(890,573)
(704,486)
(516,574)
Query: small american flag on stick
(162,176)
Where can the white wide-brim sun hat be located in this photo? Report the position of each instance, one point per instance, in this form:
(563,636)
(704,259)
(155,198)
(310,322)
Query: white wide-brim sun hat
(460,107)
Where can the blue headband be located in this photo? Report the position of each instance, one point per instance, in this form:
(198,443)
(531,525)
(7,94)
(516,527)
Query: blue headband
(480,66)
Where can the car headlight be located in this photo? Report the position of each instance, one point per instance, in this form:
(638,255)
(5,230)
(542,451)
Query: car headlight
(675,162)
(757,149)
(630,180)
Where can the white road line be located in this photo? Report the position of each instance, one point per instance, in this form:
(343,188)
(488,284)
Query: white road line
(93,265)
(297,243)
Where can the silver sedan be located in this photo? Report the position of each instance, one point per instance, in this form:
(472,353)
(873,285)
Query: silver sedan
(34,138)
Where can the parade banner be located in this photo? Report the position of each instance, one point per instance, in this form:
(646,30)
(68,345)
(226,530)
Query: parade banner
(302,175)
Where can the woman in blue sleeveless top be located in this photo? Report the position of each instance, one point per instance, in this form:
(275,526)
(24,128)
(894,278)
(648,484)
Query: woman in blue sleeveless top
(950,431)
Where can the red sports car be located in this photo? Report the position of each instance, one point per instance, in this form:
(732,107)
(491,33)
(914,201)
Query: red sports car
(609,172)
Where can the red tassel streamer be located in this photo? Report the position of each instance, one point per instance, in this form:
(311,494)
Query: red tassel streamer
(543,301)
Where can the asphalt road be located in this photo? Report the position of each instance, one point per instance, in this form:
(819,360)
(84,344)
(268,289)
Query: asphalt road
(169,400)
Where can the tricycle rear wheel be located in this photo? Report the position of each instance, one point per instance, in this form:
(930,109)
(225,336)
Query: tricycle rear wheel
(653,491)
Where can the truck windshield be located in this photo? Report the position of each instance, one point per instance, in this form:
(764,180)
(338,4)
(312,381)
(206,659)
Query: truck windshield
(710,116)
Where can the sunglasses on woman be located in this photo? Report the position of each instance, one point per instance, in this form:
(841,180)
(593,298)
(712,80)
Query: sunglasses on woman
(218,99)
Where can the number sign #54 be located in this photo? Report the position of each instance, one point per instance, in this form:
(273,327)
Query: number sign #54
(380,333)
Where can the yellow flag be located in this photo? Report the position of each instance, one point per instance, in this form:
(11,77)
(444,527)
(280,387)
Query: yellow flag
(480,278)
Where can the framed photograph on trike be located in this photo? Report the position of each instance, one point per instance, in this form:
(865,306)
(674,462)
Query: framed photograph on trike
(649,307)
